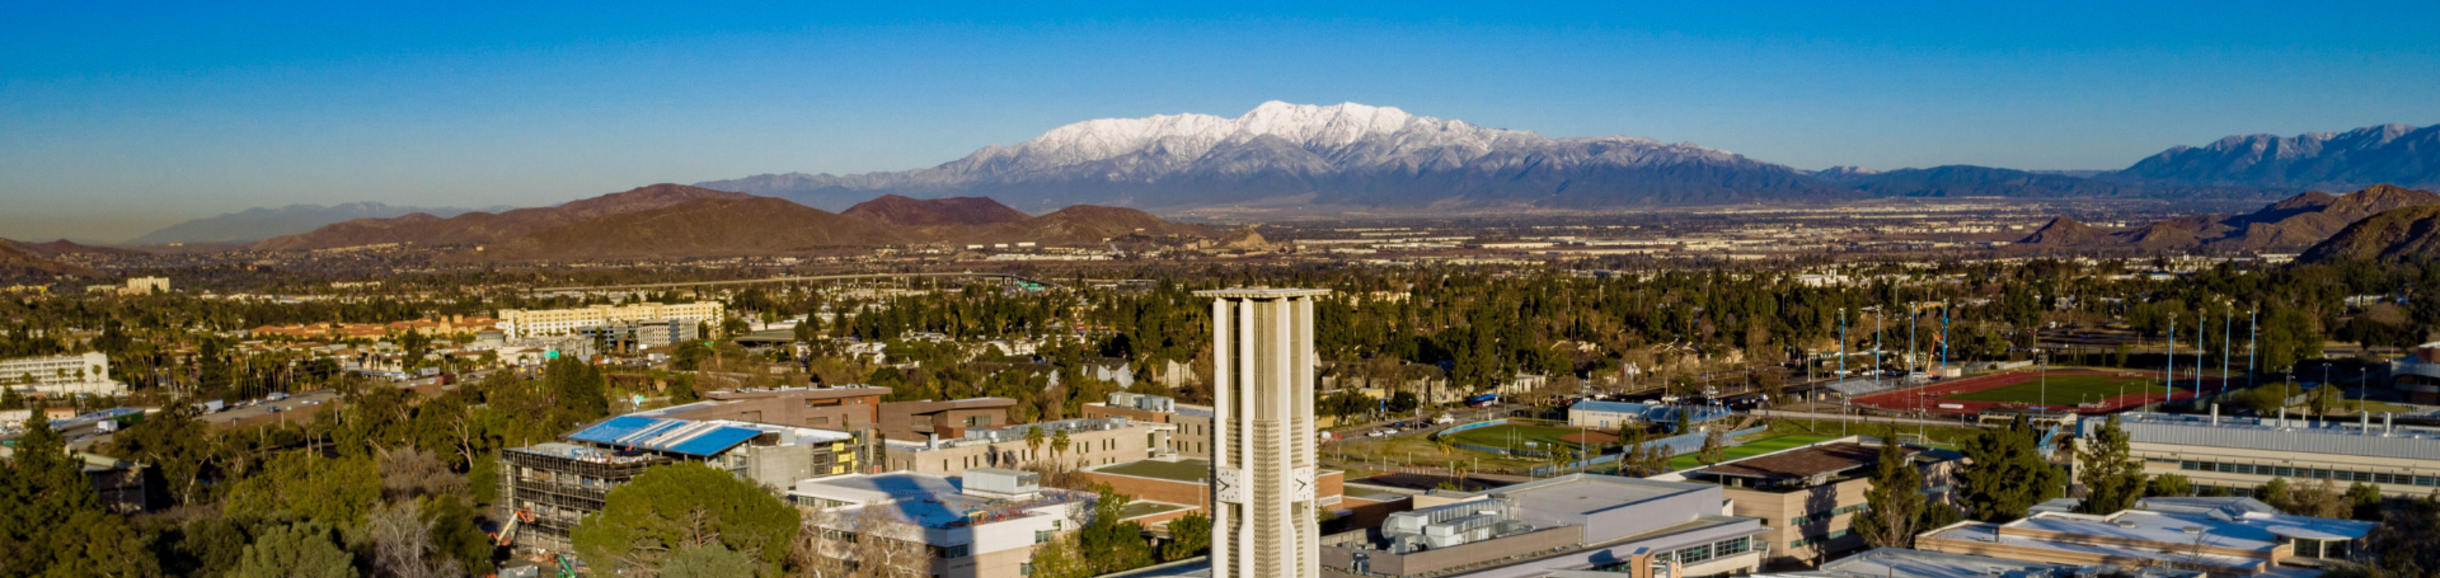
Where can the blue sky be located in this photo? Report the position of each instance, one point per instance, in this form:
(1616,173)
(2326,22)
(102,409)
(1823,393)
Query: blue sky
(119,118)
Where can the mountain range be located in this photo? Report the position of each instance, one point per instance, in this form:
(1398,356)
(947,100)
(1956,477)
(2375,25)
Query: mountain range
(2403,234)
(2295,223)
(1357,155)
(258,223)
(481,227)
(19,264)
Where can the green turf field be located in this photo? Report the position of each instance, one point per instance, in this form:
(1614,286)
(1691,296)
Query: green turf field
(1517,436)
(2064,390)
(1748,449)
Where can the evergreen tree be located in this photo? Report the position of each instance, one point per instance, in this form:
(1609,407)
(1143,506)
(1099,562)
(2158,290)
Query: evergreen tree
(679,505)
(303,550)
(2113,479)
(2168,486)
(1713,446)
(1189,536)
(2006,474)
(1895,500)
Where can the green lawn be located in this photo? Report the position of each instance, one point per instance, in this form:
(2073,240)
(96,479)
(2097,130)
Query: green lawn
(1523,437)
(2064,390)
(1748,449)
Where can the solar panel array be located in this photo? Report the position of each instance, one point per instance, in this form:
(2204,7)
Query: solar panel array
(670,435)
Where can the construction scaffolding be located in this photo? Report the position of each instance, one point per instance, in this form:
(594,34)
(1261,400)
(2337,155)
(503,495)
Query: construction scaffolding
(552,487)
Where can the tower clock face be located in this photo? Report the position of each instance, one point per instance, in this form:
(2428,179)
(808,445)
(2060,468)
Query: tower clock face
(1304,484)
(1225,482)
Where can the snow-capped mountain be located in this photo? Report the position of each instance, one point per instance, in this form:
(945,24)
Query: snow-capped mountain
(1346,154)
(2391,153)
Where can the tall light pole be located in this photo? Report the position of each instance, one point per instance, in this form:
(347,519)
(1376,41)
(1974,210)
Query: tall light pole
(2172,380)
(2253,332)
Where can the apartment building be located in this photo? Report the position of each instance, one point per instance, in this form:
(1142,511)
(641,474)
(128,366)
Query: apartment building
(1808,496)
(2242,453)
(520,323)
(85,373)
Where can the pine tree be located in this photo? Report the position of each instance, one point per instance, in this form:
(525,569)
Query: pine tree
(1895,500)
(2112,477)
(2006,473)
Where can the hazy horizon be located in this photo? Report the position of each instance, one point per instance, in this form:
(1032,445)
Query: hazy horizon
(126,118)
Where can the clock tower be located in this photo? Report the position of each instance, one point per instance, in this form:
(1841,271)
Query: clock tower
(1264,521)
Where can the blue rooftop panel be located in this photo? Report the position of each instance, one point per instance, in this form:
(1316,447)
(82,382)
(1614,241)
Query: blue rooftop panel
(609,432)
(669,435)
(712,442)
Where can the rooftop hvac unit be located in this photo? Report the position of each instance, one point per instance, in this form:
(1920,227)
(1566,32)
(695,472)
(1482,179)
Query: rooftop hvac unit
(995,481)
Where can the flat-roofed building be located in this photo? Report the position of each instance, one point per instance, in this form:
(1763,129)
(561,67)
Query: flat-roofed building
(984,524)
(2233,541)
(55,375)
(846,408)
(1572,522)
(1809,495)
(1186,483)
(1598,414)
(2243,453)
(1193,436)
(920,420)
(1091,442)
(2418,374)
(1904,563)
(521,323)
(547,488)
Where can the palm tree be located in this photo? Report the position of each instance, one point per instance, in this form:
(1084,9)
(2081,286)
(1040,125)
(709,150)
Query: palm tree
(1059,445)
(1033,442)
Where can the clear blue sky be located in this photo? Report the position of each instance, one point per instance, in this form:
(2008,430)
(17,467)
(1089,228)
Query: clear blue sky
(119,118)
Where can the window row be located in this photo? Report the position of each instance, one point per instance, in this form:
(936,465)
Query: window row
(2309,473)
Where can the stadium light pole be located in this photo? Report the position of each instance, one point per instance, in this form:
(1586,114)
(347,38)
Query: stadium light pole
(2171,381)
(2201,328)
(2228,320)
(2253,332)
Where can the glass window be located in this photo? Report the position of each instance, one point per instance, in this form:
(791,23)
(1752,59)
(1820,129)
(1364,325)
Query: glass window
(2226,467)
(2283,471)
(1042,536)
(1731,547)
(2187,464)
(1025,569)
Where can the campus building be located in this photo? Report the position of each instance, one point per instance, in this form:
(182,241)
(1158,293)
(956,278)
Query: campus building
(1808,496)
(2242,453)
(1610,415)
(1264,521)
(1193,434)
(2417,375)
(521,323)
(984,524)
(549,487)
(2234,539)
(1184,485)
(1624,526)
(1904,563)
(55,375)
(1091,442)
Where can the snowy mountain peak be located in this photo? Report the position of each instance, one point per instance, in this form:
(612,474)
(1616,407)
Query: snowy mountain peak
(1347,153)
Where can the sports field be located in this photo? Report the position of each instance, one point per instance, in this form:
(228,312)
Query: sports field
(1748,449)
(2065,390)
(1515,436)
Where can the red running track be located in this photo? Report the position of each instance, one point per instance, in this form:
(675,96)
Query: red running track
(1929,397)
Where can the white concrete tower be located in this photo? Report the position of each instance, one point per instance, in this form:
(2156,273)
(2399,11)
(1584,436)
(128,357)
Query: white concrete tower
(1263,462)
